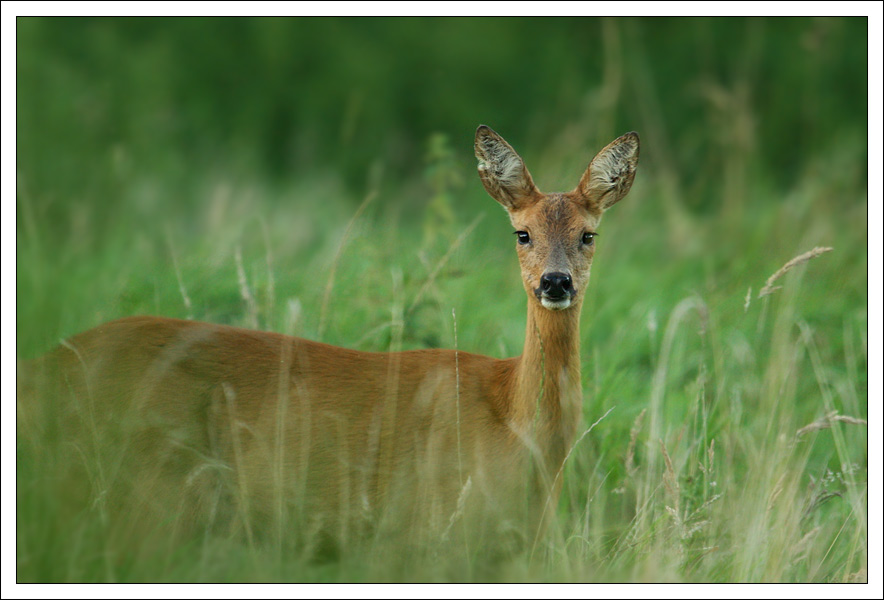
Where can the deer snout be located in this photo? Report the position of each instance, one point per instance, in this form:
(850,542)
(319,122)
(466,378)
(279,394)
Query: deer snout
(556,285)
(556,290)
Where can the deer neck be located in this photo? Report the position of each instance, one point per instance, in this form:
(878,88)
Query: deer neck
(547,397)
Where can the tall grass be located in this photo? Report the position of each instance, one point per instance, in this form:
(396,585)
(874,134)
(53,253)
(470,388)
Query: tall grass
(704,468)
(725,428)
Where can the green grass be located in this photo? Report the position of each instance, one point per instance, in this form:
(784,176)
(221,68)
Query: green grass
(697,473)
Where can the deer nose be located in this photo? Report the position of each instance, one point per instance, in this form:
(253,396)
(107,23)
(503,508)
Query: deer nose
(555,286)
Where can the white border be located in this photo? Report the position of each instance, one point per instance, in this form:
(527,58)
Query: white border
(876,309)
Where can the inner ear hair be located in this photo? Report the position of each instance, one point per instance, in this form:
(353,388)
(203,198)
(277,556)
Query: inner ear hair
(502,170)
(610,174)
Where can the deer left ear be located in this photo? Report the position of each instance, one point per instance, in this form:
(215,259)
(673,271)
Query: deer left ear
(503,173)
(610,174)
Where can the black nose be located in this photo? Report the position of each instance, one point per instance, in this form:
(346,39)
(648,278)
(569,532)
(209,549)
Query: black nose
(555,286)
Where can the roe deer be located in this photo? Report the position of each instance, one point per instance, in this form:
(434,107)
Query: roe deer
(233,430)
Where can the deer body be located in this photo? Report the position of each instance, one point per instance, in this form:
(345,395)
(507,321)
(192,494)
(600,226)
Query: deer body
(235,429)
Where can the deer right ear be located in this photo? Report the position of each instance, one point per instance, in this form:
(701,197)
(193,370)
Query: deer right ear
(502,171)
(610,174)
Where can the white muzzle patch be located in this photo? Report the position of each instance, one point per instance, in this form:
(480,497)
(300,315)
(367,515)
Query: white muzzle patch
(555,304)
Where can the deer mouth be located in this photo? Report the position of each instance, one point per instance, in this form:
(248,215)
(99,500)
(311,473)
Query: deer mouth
(555,301)
(555,304)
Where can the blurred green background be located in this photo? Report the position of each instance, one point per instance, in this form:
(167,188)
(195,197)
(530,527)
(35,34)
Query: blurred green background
(282,97)
(315,176)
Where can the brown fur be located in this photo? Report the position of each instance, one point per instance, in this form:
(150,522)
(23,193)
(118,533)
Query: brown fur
(230,429)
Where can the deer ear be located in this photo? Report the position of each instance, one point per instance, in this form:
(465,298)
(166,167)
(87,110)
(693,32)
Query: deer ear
(502,171)
(610,174)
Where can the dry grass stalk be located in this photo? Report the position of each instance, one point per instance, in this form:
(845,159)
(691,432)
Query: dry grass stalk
(630,450)
(670,480)
(673,491)
(669,477)
(800,549)
(708,468)
(187,303)
(775,493)
(245,292)
(826,422)
(271,282)
(769,287)
(710,454)
(459,510)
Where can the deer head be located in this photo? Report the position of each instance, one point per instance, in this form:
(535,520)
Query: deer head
(555,232)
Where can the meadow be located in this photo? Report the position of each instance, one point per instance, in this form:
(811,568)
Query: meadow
(316,178)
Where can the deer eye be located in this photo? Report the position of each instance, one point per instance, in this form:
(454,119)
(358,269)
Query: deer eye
(587,238)
(523,237)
